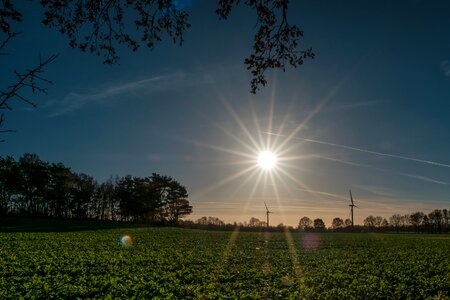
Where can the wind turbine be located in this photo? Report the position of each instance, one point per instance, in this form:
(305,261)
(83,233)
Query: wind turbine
(267,214)
(352,205)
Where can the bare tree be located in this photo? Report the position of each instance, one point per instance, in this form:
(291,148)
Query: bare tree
(395,220)
(369,221)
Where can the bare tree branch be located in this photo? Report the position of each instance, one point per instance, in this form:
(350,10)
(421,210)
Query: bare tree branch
(276,42)
(29,79)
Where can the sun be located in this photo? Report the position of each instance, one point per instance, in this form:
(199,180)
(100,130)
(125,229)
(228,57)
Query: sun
(267,160)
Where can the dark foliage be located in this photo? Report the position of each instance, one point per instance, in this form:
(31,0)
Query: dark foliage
(31,187)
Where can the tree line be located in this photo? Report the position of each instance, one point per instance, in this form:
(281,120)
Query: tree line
(435,221)
(30,187)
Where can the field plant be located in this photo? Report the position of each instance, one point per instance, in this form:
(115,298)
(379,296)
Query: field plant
(168,263)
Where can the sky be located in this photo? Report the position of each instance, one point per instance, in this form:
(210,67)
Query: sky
(369,113)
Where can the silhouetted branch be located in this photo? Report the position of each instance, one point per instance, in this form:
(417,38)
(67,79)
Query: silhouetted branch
(6,41)
(100,26)
(275,43)
(29,79)
(2,117)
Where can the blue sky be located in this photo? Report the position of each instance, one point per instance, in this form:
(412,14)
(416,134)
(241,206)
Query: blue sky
(380,82)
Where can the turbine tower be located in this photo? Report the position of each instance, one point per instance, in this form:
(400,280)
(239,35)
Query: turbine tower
(352,205)
(267,215)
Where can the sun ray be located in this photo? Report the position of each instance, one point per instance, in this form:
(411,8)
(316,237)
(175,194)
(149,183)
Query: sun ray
(275,188)
(242,126)
(243,183)
(271,112)
(257,125)
(297,157)
(298,274)
(283,122)
(286,187)
(225,181)
(258,180)
(253,191)
(303,185)
(240,141)
(302,124)
(223,149)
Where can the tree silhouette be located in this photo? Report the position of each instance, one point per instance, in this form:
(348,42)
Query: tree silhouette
(31,187)
(305,223)
(417,219)
(436,218)
(347,222)
(210,221)
(337,223)
(319,224)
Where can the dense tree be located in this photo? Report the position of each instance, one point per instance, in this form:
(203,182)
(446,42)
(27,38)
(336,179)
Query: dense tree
(319,224)
(348,222)
(84,188)
(106,204)
(369,221)
(60,190)
(436,218)
(210,221)
(337,223)
(9,176)
(255,222)
(446,217)
(32,187)
(177,209)
(305,223)
(417,219)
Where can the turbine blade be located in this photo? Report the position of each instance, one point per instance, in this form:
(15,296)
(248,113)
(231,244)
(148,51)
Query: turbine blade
(266,206)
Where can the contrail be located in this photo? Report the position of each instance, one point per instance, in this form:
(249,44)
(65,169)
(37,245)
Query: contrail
(419,177)
(366,151)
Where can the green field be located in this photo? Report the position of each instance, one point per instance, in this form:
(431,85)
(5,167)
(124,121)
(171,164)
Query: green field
(196,264)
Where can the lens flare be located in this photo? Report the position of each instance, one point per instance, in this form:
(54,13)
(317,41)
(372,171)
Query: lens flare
(311,241)
(126,241)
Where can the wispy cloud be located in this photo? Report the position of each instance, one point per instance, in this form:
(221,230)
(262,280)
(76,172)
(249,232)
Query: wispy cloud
(445,67)
(77,100)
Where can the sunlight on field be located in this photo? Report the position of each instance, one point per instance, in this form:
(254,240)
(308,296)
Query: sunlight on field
(197,264)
